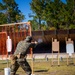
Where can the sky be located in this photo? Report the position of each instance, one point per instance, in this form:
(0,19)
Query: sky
(24,6)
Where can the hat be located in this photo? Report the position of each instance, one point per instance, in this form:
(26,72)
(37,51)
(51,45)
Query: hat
(28,38)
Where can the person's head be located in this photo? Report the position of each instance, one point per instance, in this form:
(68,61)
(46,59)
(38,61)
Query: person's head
(28,39)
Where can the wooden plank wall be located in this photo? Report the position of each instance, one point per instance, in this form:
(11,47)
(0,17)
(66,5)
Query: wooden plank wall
(17,32)
(16,37)
(3,37)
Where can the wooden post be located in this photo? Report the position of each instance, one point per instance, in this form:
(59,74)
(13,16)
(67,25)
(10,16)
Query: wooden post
(2,46)
(52,53)
(67,54)
(68,43)
(14,38)
(55,48)
(73,57)
(32,59)
(58,58)
(74,60)
(67,60)
(52,58)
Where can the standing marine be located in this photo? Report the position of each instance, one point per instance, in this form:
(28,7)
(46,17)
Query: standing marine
(19,56)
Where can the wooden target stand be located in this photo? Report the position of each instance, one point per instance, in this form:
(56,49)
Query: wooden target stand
(73,56)
(32,63)
(55,48)
(69,41)
(9,49)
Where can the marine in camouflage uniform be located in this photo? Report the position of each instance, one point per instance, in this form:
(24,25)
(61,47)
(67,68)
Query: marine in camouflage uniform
(19,57)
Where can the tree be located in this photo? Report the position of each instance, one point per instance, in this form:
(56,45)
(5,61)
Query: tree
(3,18)
(55,13)
(71,11)
(37,7)
(34,24)
(48,11)
(9,8)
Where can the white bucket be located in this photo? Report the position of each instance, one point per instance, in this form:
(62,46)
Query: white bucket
(6,71)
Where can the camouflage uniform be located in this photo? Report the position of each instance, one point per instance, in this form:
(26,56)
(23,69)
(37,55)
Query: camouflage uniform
(22,49)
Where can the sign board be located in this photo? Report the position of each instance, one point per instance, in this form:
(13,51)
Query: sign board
(9,44)
(55,45)
(69,47)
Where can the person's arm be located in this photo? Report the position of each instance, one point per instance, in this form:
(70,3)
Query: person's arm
(34,44)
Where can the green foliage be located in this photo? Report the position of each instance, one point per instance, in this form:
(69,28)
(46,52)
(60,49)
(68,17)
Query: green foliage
(52,28)
(55,12)
(3,18)
(34,24)
(72,26)
(38,6)
(9,8)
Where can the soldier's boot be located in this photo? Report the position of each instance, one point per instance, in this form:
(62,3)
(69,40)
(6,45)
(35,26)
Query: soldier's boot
(12,73)
(28,74)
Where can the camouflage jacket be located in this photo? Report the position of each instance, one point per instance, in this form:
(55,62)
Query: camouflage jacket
(23,47)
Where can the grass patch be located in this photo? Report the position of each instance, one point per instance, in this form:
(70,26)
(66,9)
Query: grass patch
(44,68)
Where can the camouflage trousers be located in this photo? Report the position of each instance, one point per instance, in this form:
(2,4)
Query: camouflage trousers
(23,64)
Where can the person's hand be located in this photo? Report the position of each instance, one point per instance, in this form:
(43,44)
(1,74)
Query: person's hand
(36,42)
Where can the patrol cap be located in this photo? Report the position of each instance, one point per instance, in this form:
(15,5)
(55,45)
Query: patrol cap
(28,38)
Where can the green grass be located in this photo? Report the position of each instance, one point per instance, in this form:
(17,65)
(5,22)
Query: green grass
(43,67)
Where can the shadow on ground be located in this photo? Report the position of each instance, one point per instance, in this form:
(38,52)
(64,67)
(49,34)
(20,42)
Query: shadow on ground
(41,71)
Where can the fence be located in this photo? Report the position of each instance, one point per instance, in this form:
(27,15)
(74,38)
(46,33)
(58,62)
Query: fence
(16,31)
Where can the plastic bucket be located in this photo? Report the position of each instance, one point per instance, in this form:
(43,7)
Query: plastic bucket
(6,71)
